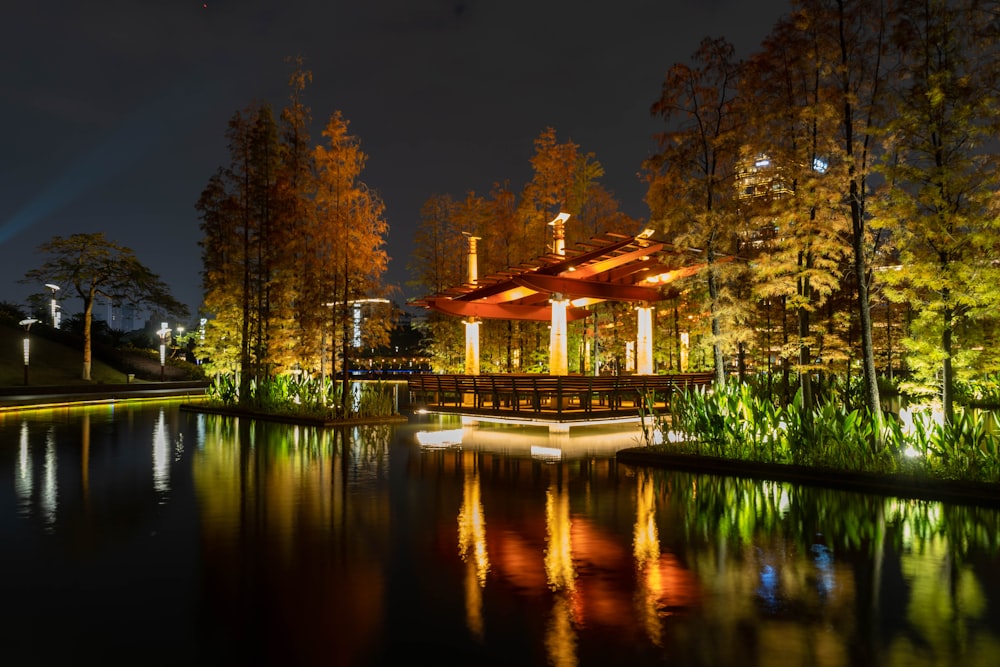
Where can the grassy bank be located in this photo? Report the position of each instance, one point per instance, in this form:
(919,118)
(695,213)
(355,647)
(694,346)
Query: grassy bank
(51,363)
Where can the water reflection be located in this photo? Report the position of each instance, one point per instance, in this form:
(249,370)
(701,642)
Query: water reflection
(23,482)
(472,549)
(161,455)
(266,543)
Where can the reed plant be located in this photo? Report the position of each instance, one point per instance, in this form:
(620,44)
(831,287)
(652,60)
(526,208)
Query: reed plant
(737,422)
(301,396)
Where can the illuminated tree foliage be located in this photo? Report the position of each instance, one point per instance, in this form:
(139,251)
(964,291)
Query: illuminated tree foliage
(93,266)
(291,240)
(345,258)
(691,177)
(940,202)
(240,250)
(790,185)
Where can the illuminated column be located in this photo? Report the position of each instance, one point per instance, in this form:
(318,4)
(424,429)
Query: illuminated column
(471,325)
(27,344)
(558,364)
(559,233)
(471,347)
(644,341)
(473,266)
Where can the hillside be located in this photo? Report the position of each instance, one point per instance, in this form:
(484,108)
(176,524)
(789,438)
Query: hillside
(60,362)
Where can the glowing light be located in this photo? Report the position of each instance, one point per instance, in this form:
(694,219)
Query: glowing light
(558,360)
(161,455)
(539,452)
(471,347)
(644,341)
(472,528)
(559,570)
(443,438)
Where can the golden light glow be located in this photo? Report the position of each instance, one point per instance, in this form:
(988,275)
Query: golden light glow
(559,553)
(472,550)
(660,278)
(558,358)
(471,347)
(472,527)
(646,549)
(644,341)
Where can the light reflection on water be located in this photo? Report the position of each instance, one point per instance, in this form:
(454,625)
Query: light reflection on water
(276,544)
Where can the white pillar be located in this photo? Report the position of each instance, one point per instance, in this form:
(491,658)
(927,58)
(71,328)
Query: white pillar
(644,341)
(558,364)
(471,347)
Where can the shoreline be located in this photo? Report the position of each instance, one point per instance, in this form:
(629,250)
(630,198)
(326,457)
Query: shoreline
(982,494)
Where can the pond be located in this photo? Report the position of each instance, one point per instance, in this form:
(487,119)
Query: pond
(149,534)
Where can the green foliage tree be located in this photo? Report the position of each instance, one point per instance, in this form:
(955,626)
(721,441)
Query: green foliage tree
(790,185)
(92,266)
(940,203)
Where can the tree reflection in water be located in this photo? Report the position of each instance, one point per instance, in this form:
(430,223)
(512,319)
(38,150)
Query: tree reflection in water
(267,543)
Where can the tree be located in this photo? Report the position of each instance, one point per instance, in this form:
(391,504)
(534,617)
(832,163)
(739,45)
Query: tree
(790,185)
(940,201)
(93,266)
(690,192)
(853,34)
(241,247)
(347,257)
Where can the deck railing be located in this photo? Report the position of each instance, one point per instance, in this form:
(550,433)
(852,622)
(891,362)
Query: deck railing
(559,396)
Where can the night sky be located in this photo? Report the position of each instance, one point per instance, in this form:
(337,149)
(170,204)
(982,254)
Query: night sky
(115,112)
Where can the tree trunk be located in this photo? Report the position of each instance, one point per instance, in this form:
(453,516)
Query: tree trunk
(947,371)
(88,318)
(805,377)
(713,293)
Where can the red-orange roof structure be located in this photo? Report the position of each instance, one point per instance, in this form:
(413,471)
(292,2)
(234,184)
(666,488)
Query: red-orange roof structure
(609,267)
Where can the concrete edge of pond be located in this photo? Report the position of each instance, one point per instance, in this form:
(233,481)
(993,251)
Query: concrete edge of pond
(290,419)
(909,486)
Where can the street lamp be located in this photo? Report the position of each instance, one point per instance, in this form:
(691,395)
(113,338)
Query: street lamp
(164,332)
(27,326)
(55,306)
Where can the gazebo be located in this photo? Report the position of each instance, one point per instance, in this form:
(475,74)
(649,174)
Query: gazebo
(559,287)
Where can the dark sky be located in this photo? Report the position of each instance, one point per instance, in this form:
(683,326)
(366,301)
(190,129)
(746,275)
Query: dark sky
(115,112)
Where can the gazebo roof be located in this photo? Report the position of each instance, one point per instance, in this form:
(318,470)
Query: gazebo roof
(609,267)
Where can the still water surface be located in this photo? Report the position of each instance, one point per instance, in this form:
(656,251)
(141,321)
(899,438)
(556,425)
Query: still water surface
(154,535)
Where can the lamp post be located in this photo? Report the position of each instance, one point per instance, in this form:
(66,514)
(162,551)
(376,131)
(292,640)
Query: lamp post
(163,332)
(54,305)
(27,326)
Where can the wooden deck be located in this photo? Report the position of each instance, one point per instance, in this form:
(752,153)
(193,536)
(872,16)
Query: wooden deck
(549,398)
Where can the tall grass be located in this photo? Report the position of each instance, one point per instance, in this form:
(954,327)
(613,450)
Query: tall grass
(303,396)
(736,422)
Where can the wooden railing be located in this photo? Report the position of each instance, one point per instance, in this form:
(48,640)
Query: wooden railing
(578,396)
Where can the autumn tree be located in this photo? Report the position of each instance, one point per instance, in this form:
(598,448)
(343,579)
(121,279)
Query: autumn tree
(942,177)
(690,192)
(346,254)
(93,266)
(293,203)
